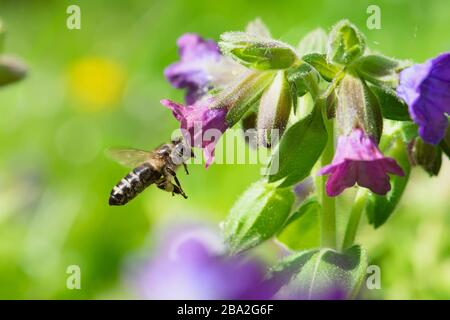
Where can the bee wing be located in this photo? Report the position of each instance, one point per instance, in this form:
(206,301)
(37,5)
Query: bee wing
(128,157)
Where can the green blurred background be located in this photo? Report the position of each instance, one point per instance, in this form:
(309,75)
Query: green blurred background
(98,87)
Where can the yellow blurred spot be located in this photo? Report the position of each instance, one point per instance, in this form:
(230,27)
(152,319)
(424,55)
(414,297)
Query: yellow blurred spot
(98,83)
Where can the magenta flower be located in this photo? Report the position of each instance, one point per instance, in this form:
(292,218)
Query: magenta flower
(201,125)
(190,266)
(190,72)
(426,89)
(358,160)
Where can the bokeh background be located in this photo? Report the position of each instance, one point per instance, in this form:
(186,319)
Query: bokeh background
(98,87)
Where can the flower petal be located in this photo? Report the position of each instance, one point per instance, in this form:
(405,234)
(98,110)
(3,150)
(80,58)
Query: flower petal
(358,160)
(426,89)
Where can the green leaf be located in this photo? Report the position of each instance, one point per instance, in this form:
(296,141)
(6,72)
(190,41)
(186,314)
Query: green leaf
(299,149)
(379,208)
(256,52)
(11,70)
(257,216)
(300,78)
(392,107)
(377,69)
(314,42)
(302,230)
(376,65)
(321,274)
(346,43)
(319,61)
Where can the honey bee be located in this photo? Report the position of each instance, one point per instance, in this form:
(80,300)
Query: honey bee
(157,166)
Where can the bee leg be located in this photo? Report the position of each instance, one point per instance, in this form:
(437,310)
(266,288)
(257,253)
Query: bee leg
(177,186)
(178,190)
(185,168)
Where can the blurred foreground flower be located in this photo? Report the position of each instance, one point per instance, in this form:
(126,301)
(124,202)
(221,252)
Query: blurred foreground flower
(97,82)
(189,266)
(426,89)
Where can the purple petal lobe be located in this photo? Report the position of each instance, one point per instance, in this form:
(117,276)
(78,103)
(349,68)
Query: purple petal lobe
(190,72)
(426,89)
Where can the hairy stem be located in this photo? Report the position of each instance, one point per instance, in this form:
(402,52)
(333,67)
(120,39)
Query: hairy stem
(355,216)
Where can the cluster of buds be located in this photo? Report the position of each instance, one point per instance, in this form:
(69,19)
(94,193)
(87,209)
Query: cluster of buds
(250,75)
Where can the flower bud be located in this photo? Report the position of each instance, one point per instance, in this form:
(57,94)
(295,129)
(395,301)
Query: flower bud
(241,95)
(357,107)
(257,52)
(11,70)
(249,126)
(2,35)
(274,109)
(428,156)
(346,43)
(445,142)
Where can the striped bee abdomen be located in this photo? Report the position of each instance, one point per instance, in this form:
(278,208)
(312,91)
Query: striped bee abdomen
(132,184)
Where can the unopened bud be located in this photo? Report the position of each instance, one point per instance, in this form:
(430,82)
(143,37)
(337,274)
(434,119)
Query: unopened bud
(257,52)
(346,43)
(11,70)
(241,95)
(428,156)
(274,109)
(445,142)
(357,107)
(2,36)
(249,127)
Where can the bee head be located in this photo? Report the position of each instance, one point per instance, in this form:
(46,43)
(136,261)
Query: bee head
(181,151)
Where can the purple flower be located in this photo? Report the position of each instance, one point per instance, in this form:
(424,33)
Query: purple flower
(201,125)
(358,160)
(426,89)
(190,72)
(189,266)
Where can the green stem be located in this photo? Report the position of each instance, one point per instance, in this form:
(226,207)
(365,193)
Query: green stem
(328,212)
(355,217)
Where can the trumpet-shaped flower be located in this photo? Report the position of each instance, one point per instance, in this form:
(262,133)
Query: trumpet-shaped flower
(358,160)
(201,126)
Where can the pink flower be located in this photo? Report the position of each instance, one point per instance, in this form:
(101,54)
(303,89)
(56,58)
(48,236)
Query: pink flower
(358,160)
(202,126)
